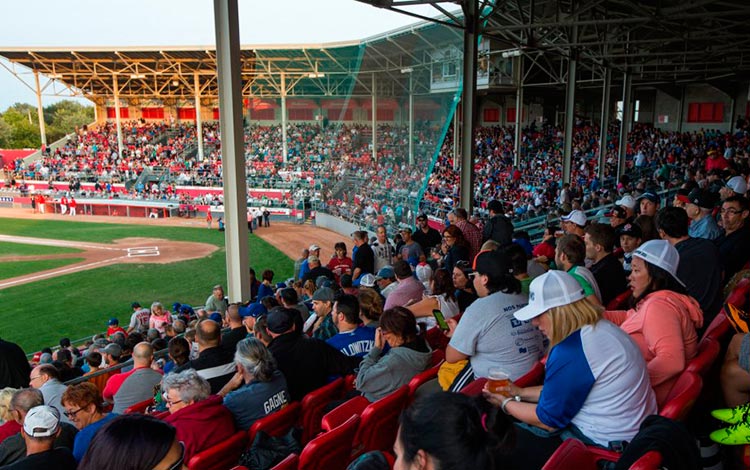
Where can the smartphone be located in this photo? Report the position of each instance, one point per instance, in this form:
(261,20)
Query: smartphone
(440,319)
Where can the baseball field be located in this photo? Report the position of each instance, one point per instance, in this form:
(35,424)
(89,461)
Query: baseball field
(66,278)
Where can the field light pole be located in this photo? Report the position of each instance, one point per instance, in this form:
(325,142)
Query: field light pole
(284,144)
(374,117)
(605,122)
(226,19)
(570,103)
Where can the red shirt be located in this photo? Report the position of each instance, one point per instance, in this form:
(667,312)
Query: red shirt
(8,429)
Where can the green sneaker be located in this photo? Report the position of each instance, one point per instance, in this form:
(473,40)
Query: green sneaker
(734,415)
(736,434)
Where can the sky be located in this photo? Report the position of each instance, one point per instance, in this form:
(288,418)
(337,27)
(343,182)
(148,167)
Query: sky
(93,23)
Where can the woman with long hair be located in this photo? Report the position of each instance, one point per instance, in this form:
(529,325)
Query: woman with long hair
(452,431)
(442,297)
(465,293)
(454,248)
(594,372)
(663,320)
(135,442)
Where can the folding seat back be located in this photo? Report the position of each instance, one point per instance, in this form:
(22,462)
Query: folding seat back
(276,424)
(139,407)
(682,397)
(708,352)
(313,404)
(571,454)
(330,450)
(220,456)
(379,425)
(291,462)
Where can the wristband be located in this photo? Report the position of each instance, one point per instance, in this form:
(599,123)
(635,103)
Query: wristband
(507,400)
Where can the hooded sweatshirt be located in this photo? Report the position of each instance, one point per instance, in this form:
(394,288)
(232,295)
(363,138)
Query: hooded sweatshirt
(202,425)
(663,325)
(379,375)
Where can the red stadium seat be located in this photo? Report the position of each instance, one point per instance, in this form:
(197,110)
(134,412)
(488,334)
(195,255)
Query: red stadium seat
(379,424)
(289,463)
(649,461)
(337,416)
(330,450)
(421,379)
(436,338)
(708,352)
(621,301)
(682,397)
(474,389)
(438,356)
(533,377)
(276,424)
(139,407)
(740,295)
(719,328)
(221,456)
(572,454)
(313,404)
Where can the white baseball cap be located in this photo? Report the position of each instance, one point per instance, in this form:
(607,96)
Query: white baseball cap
(626,201)
(368,280)
(662,254)
(41,421)
(576,216)
(313,247)
(737,184)
(550,290)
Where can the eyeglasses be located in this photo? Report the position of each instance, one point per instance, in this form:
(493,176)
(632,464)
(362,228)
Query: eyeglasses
(473,274)
(178,464)
(71,414)
(168,401)
(731,211)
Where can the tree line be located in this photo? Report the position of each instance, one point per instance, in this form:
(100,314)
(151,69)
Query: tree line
(19,124)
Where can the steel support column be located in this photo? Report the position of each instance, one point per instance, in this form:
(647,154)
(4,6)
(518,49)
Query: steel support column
(198,120)
(606,88)
(456,139)
(469,88)
(284,145)
(570,101)
(627,119)
(681,109)
(374,120)
(411,119)
(226,19)
(40,110)
(118,122)
(519,110)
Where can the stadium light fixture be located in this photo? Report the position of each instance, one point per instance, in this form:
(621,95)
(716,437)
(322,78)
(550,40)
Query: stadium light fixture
(54,75)
(316,75)
(137,75)
(407,70)
(511,53)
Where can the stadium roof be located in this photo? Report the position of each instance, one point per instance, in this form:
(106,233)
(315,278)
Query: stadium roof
(662,42)
(665,43)
(331,69)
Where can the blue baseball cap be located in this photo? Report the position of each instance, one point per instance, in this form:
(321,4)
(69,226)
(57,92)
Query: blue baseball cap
(255,310)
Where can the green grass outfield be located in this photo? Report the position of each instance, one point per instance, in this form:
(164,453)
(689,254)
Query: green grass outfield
(77,305)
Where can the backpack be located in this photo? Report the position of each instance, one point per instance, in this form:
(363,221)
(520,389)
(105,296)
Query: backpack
(670,438)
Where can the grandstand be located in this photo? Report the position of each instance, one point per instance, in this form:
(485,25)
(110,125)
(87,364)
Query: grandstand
(610,99)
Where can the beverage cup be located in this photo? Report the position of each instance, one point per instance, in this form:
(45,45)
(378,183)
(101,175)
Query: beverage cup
(496,379)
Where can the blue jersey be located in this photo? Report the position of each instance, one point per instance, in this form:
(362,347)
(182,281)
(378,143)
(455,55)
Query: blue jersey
(593,375)
(357,342)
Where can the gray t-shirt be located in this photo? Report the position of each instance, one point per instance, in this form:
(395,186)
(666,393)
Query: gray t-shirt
(136,388)
(490,335)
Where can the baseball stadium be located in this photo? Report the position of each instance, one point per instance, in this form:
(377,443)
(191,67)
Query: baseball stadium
(506,235)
